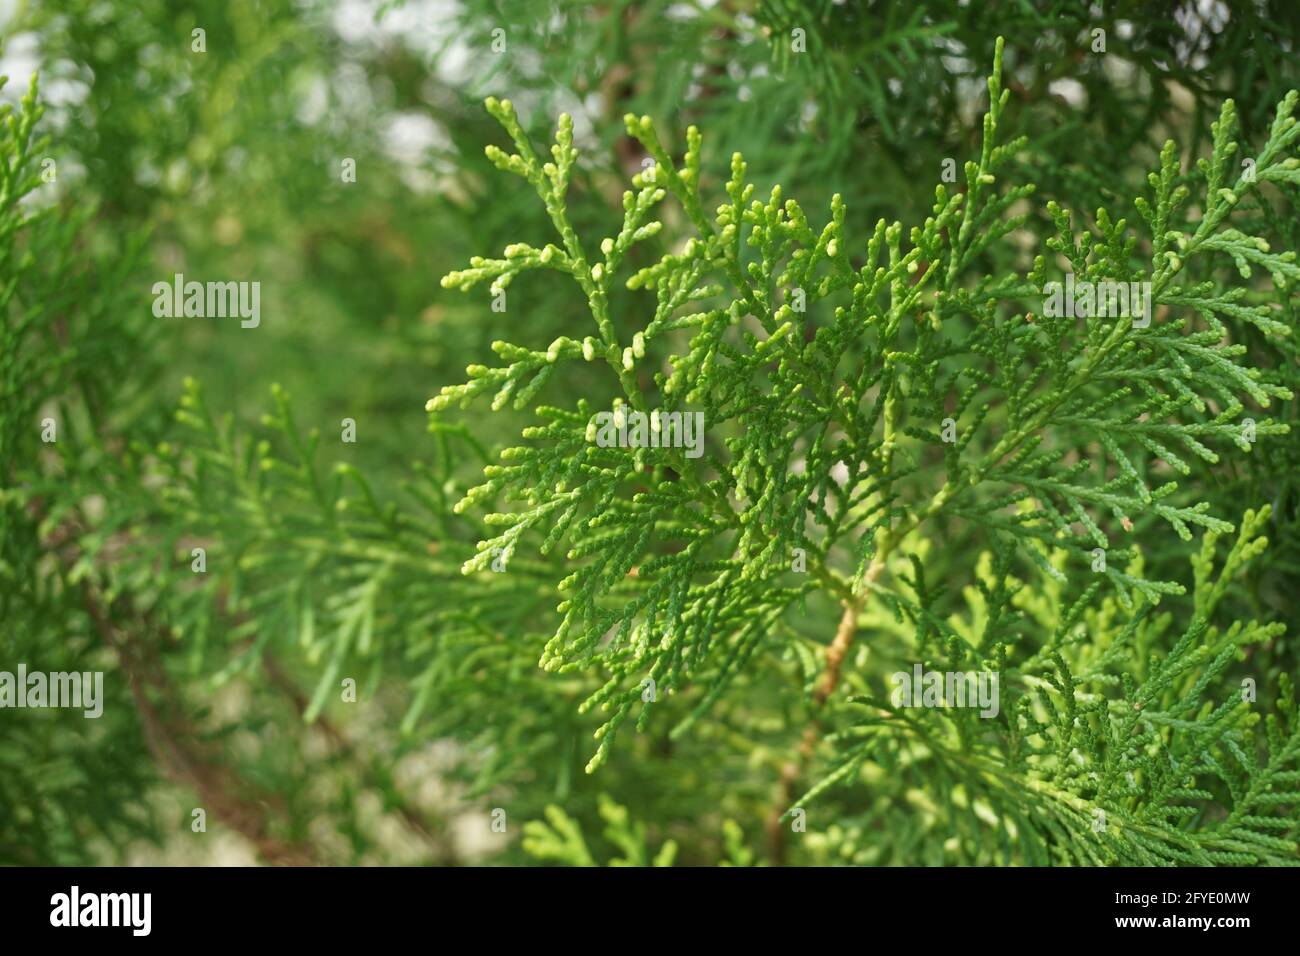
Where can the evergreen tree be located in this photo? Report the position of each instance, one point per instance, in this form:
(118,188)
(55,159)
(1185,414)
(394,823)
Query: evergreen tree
(924,392)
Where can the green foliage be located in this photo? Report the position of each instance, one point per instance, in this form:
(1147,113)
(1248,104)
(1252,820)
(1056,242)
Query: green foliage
(907,460)
(910,336)
(63,793)
(1120,739)
(562,840)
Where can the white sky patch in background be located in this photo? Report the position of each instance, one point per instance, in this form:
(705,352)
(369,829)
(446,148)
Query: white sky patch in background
(423,26)
(313,101)
(428,29)
(1072,91)
(18,61)
(409,138)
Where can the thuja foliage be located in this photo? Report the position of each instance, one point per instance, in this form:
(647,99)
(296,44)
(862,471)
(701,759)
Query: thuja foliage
(827,367)
(60,788)
(907,460)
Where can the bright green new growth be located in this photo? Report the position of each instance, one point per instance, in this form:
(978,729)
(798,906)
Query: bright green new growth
(1121,737)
